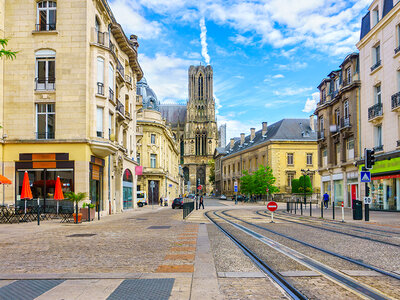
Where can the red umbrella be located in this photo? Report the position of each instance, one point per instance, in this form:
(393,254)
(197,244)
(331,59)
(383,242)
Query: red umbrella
(58,194)
(26,192)
(4,180)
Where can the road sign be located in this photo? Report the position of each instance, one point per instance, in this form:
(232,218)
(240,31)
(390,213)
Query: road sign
(365,176)
(267,190)
(272,206)
(367,200)
(199,187)
(235,189)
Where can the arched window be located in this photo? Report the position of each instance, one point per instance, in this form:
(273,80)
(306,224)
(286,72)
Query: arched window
(204,143)
(201,86)
(197,142)
(46,16)
(45,69)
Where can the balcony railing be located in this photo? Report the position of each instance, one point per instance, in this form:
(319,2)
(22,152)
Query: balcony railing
(112,48)
(397,50)
(347,81)
(110,94)
(378,148)
(99,133)
(396,100)
(321,134)
(100,88)
(45,84)
(120,108)
(120,68)
(344,122)
(45,27)
(45,135)
(335,93)
(375,111)
(376,65)
(128,79)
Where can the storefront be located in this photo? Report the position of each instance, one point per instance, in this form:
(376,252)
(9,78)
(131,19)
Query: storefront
(96,170)
(127,185)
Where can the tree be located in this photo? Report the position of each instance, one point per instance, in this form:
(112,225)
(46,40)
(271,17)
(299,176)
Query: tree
(75,198)
(258,182)
(211,177)
(6,53)
(305,182)
(246,183)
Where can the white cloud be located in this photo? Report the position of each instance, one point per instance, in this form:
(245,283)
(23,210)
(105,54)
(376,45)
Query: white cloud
(240,39)
(239,76)
(277,76)
(289,91)
(311,103)
(292,66)
(277,103)
(203,38)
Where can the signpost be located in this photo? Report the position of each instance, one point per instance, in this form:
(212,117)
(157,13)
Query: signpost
(366,177)
(272,206)
(235,190)
(367,200)
(152,186)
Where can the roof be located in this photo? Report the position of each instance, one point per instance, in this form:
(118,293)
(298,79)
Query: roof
(149,98)
(173,113)
(284,130)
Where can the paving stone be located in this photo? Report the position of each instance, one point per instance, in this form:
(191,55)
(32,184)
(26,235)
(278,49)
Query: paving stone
(179,257)
(179,249)
(241,274)
(361,273)
(175,269)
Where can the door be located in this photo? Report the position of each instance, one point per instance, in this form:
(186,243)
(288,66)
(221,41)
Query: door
(353,193)
(153,192)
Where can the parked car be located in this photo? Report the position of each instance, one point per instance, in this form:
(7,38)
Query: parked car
(222,197)
(191,196)
(240,198)
(178,202)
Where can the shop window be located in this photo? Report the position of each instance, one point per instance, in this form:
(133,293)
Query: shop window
(46,16)
(45,121)
(45,69)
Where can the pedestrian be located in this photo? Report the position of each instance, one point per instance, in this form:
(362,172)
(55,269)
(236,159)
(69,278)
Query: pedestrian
(326,200)
(161,201)
(201,202)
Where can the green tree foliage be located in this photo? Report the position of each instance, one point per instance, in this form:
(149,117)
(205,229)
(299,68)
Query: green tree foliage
(303,182)
(258,182)
(211,177)
(6,53)
(295,186)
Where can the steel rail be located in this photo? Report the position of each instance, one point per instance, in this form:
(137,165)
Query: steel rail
(275,276)
(384,272)
(333,230)
(330,273)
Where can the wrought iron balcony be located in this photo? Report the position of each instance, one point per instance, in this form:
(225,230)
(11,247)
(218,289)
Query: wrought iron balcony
(110,94)
(397,50)
(45,27)
(120,108)
(45,83)
(375,111)
(396,101)
(100,88)
(378,148)
(344,122)
(120,68)
(376,65)
(44,135)
(321,134)
(99,133)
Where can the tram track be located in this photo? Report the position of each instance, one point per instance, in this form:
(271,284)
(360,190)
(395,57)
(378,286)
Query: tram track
(330,273)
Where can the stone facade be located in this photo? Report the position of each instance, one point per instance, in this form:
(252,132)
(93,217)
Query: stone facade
(338,142)
(69,101)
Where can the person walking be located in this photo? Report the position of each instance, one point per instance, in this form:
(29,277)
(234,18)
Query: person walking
(201,202)
(161,201)
(326,200)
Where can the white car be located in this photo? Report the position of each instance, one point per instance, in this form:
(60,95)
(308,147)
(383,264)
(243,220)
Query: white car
(222,197)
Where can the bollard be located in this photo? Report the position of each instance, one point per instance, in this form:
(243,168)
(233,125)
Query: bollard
(301,207)
(342,212)
(322,211)
(310,208)
(333,210)
(295,208)
(287,206)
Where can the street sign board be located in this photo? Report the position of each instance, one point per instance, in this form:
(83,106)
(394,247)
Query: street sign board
(272,206)
(365,176)
(199,187)
(235,189)
(367,200)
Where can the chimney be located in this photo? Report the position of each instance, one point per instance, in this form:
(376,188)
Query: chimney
(264,128)
(134,42)
(242,136)
(252,133)
(232,143)
(312,124)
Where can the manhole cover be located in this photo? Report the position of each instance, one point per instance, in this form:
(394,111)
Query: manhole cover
(158,227)
(81,235)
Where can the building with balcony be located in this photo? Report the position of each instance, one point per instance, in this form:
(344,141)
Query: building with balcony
(338,142)
(286,146)
(157,150)
(379,48)
(68,102)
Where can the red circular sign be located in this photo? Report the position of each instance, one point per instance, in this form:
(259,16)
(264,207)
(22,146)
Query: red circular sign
(199,187)
(272,206)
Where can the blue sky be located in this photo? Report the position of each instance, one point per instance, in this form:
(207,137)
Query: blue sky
(268,56)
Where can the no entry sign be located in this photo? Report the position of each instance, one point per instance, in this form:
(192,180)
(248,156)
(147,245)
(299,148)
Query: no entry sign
(199,187)
(272,206)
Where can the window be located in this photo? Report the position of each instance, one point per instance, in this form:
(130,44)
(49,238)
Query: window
(324,158)
(337,146)
(100,76)
(99,122)
(346,109)
(290,177)
(111,81)
(348,75)
(45,121)
(309,159)
(153,160)
(110,117)
(350,148)
(138,158)
(397,49)
(321,123)
(337,84)
(337,116)
(375,16)
(201,86)
(153,138)
(323,95)
(378,94)
(376,56)
(290,159)
(46,16)
(45,69)
(378,137)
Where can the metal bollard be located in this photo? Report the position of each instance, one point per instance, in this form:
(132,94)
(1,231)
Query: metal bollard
(295,208)
(310,209)
(322,210)
(301,207)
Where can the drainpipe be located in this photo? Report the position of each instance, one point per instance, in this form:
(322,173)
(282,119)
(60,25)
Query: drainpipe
(109,185)
(359,123)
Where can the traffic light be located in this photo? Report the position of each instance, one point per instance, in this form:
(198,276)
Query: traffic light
(369,158)
(366,190)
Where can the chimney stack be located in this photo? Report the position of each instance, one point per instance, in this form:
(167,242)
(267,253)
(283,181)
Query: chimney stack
(264,128)
(252,133)
(134,42)
(312,124)
(232,143)
(242,136)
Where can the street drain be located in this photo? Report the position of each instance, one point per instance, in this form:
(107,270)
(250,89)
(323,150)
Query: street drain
(158,227)
(81,235)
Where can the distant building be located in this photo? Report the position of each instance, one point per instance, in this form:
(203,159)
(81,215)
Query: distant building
(379,48)
(222,136)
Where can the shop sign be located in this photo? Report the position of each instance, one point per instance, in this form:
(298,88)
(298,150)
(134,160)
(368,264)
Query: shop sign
(95,172)
(386,177)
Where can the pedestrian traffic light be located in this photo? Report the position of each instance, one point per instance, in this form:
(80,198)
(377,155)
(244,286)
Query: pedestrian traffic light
(366,190)
(369,158)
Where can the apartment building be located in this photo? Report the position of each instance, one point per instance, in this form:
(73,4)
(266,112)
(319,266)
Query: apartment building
(338,143)
(68,102)
(379,48)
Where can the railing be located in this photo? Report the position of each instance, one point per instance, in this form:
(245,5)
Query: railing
(45,135)
(321,134)
(335,93)
(120,107)
(99,133)
(188,207)
(120,68)
(100,88)
(45,84)
(45,27)
(347,81)
(101,38)
(397,50)
(112,48)
(396,100)
(375,111)
(378,148)
(376,65)
(110,94)
(128,79)
(344,122)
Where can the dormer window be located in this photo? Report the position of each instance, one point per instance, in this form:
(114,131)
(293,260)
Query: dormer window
(46,16)
(375,16)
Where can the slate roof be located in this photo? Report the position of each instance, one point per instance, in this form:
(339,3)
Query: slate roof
(174,113)
(283,130)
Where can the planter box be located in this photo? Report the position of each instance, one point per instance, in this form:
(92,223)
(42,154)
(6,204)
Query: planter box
(85,214)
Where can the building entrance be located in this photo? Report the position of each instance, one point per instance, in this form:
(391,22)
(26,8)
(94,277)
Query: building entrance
(154,195)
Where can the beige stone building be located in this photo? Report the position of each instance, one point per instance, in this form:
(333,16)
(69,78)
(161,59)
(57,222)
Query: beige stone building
(286,146)
(157,150)
(379,48)
(338,142)
(68,102)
